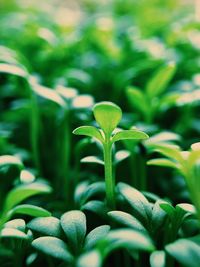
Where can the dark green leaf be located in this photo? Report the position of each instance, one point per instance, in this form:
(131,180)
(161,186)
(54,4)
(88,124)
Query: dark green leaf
(95,235)
(53,247)
(74,226)
(46,226)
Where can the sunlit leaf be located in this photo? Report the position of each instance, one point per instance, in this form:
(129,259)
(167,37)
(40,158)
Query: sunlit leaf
(95,235)
(74,226)
(46,225)
(160,80)
(22,192)
(89,131)
(53,247)
(108,115)
(129,134)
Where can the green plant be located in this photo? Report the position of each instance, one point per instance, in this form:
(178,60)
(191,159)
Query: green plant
(108,115)
(186,163)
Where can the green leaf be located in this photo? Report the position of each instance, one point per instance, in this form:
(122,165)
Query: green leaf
(95,235)
(49,226)
(23,192)
(54,247)
(121,155)
(158,216)
(168,208)
(163,162)
(89,131)
(92,190)
(92,159)
(157,259)
(96,206)
(126,219)
(188,208)
(160,80)
(185,251)
(108,115)
(129,134)
(137,99)
(92,258)
(18,224)
(129,239)
(14,70)
(11,160)
(47,93)
(30,210)
(13,233)
(137,200)
(162,137)
(74,226)
(170,151)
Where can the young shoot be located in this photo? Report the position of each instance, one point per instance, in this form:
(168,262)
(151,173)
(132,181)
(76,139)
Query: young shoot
(108,116)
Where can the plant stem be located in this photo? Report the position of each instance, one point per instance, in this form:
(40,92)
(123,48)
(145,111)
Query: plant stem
(109,178)
(35,121)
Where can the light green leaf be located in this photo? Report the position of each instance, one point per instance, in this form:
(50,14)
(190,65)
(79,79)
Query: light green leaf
(49,226)
(13,233)
(18,224)
(163,162)
(95,235)
(14,70)
(92,258)
(107,115)
(54,247)
(89,131)
(157,259)
(160,80)
(129,134)
(92,159)
(121,155)
(30,210)
(48,94)
(23,192)
(74,225)
(185,251)
(10,160)
(162,137)
(170,151)
(188,208)
(137,99)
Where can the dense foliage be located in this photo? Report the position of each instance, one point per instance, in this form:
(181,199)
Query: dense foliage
(99,133)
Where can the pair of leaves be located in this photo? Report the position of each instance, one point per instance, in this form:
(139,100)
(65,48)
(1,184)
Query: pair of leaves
(18,195)
(145,101)
(124,238)
(73,223)
(108,115)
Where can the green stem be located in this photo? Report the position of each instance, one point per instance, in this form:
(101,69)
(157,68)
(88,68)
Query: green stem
(35,131)
(109,178)
(63,170)
(143,179)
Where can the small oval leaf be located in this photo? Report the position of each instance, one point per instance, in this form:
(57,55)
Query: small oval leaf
(107,115)
(74,225)
(54,247)
(89,131)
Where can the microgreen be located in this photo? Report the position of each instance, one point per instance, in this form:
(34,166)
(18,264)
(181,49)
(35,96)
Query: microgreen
(108,116)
